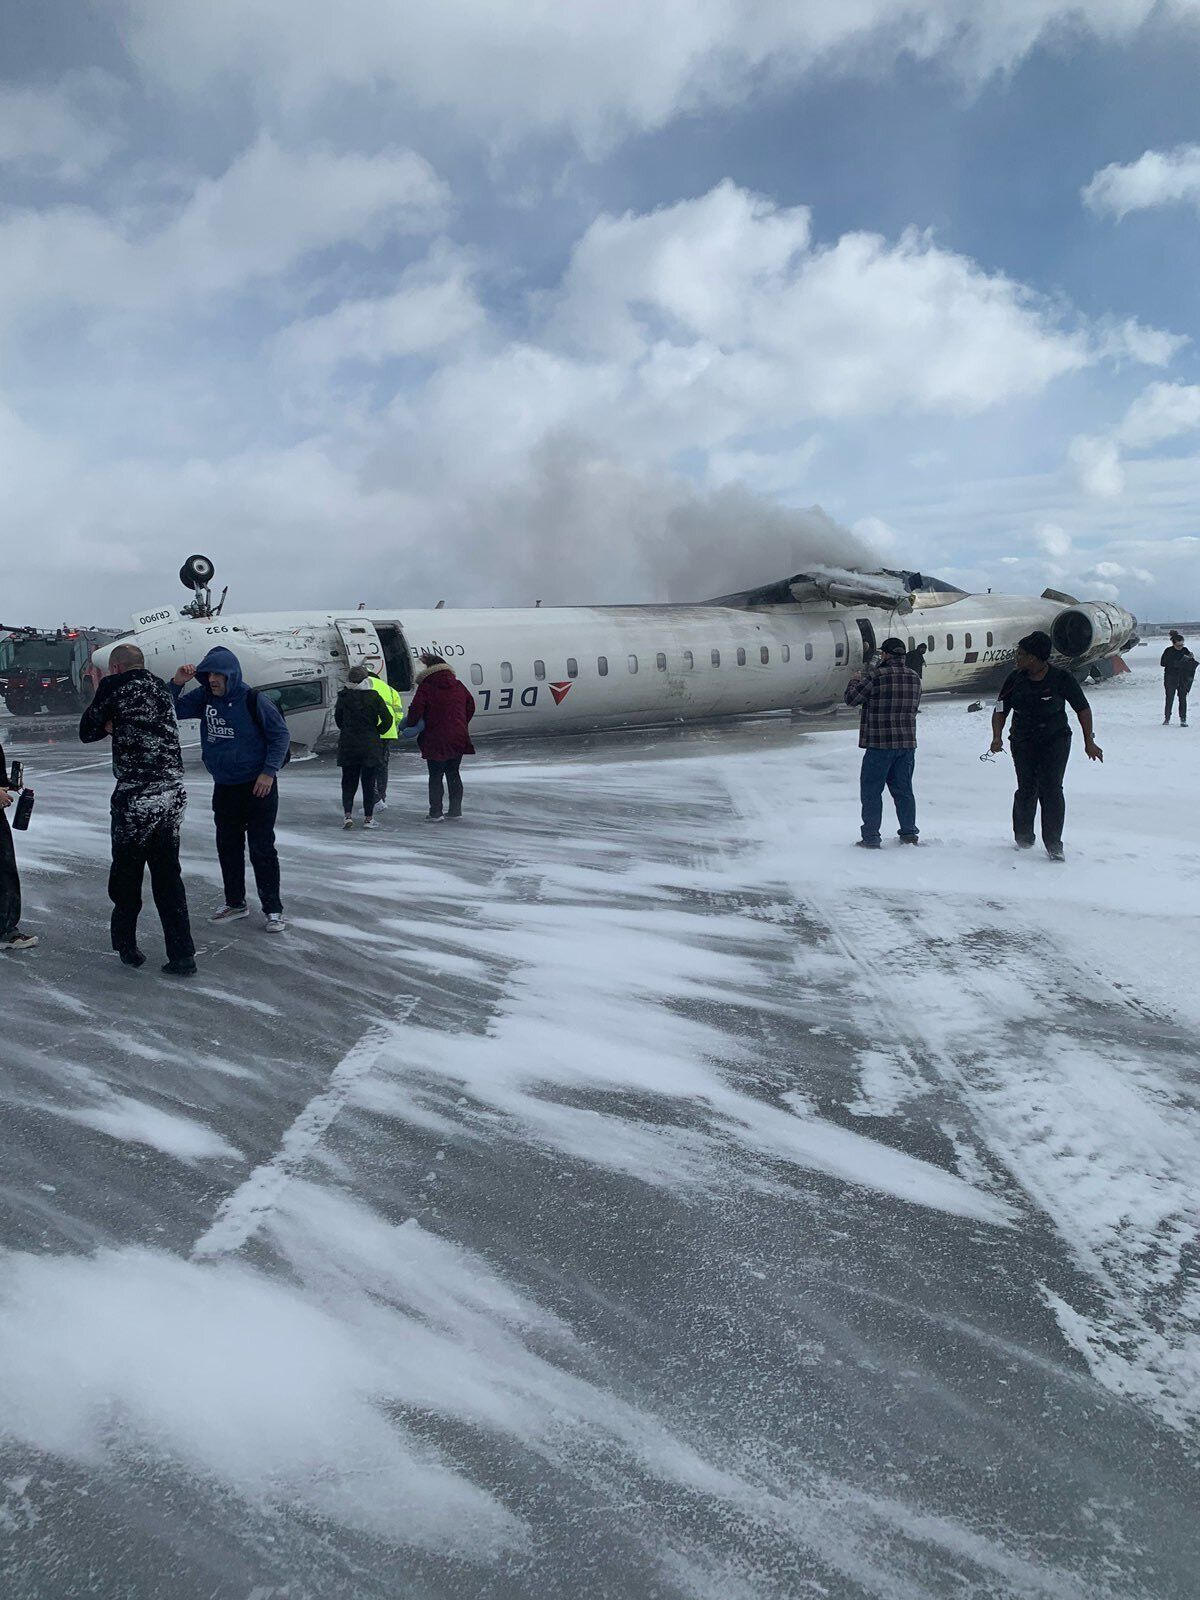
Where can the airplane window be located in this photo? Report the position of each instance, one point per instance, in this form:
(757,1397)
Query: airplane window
(912,644)
(295,696)
(930,642)
(572,667)
(539,669)
(808,652)
(476,673)
(632,663)
(764,655)
(966,641)
(949,641)
(602,666)
(716,658)
(741,657)
(506,672)
(989,640)
(689,661)
(787,652)
(660,661)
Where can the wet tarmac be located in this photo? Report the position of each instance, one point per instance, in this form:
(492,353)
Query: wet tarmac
(573,1202)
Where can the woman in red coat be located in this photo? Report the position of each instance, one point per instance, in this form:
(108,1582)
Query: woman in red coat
(444,707)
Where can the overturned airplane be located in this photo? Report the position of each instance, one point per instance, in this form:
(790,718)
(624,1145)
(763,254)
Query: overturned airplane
(789,646)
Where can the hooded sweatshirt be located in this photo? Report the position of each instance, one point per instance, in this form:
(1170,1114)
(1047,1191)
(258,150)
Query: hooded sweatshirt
(237,745)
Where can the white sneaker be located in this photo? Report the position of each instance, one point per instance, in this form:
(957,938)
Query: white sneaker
(230,913)
(381,805)
(435,816)
(275,922)
(19,941)
(347,822)
(369,822)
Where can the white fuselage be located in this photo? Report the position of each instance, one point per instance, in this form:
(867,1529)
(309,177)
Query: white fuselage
(570,669)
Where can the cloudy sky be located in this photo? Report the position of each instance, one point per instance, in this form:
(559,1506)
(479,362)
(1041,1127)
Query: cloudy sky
(496,300)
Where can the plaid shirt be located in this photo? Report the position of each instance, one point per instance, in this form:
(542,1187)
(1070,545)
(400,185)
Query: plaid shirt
(889,696)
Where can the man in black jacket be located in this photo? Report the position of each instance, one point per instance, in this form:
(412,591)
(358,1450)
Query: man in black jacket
(147,805)
(1179,668)
(11,937)
(362,720)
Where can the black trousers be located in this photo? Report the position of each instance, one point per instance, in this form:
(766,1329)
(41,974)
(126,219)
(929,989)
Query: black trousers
(245,820)
(159,852)
(381,772)
(10,882)
(351,778)
(448,770)
(1173,689)
(1040,765)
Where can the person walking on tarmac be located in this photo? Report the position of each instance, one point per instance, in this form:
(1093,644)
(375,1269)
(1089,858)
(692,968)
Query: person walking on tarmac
(244,744)
(148,803)
(1179,668)
(11,937)
(1038,695)
(362,720)
(395,704)
(442,707)
(889,694)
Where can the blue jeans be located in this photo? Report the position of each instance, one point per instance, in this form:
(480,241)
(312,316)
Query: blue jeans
(895,769)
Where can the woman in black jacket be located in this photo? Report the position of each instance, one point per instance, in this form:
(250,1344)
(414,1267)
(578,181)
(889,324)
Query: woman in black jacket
(11,937)
(362,720)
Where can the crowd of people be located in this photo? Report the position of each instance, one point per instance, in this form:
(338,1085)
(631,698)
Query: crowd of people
(244,745)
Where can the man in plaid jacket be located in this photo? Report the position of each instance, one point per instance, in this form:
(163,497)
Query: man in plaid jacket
(889,695)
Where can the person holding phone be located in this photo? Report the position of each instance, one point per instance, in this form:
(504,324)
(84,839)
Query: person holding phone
(11,937)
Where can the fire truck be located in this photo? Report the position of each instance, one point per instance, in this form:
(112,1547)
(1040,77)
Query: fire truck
(46,672)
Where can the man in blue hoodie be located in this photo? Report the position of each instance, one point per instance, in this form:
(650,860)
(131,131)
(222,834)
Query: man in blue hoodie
(244,743)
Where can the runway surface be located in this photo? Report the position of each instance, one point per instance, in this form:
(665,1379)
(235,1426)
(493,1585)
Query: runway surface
(635,1191)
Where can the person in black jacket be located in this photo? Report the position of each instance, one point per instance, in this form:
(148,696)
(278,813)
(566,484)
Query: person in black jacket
(362,720)
(1179,668)
(11,937)
(1038,695)
(915,660)
(135,708)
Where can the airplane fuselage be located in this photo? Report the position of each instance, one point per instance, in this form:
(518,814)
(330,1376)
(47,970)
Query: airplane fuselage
(572,669)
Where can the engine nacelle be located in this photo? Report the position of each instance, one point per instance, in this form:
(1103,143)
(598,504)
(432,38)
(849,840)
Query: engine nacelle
(1091,629)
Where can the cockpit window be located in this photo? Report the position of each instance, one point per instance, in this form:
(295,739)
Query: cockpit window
(296,696)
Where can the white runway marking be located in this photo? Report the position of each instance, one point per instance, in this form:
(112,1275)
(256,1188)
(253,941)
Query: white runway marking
(240,1216)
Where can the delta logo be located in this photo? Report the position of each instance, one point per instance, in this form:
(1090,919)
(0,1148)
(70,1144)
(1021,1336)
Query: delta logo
(560,691)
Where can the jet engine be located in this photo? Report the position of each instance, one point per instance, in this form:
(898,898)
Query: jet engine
(1091,629)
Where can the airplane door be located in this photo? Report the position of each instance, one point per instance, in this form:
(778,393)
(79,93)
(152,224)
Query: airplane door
(362,644)
(841,644)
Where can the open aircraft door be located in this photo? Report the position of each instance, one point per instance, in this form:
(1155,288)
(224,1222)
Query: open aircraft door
(841,646)
(362,644)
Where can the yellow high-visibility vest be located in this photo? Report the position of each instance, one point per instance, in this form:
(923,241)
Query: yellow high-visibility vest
(393,701)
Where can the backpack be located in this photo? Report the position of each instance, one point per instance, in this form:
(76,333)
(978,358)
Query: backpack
(252,702)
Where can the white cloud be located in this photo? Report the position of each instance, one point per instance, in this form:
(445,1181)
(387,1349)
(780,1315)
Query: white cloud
(64,131)
(1096,464)
(1157,178)
(433,305)
(1053,541)
(271,208)
(723,302)
(1161,412)
(1131,340)
(596,68)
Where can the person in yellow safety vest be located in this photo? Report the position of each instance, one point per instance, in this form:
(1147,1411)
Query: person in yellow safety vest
(395,704)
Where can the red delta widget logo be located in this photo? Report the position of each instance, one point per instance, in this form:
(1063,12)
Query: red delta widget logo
(509,698)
